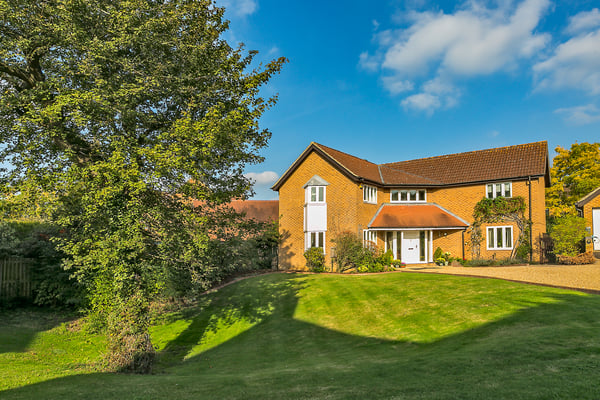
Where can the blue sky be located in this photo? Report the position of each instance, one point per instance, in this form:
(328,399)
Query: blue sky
(398,80)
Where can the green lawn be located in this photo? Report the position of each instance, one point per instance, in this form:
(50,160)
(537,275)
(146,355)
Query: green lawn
(285,336)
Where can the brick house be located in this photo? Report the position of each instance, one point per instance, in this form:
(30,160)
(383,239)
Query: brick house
(410,207)
(589,208)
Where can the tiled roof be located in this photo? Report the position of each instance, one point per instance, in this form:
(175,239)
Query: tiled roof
(483,165)
(356,166)
(259,210)
(511,162)
(588,197)
(395,216)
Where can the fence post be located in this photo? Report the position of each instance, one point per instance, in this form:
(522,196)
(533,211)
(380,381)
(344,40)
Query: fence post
(15,278)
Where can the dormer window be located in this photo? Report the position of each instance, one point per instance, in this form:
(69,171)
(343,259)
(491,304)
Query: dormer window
(494,190)
(370,194)
(408,196)
(315,190)
(316,194)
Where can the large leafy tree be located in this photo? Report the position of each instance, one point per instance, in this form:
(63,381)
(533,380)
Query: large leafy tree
(575,173)
(118,113)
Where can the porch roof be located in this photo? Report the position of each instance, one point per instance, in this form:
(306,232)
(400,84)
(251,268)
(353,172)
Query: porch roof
(410,216)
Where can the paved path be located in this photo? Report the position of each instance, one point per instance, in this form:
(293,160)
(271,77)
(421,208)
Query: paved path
(586,277)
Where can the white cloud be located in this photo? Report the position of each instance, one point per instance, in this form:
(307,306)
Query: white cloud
(367,62)
(435,94)
(239,8)
(262,178)
(584,21)
(574,64)
(441,48)
(422,102)
(472,41)
(580,115)
(396,86)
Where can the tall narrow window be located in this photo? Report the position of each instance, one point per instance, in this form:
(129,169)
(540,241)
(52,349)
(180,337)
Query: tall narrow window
(369,194)
(423,245)
(369,239)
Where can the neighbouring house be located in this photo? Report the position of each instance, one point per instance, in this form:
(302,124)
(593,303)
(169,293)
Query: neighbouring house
(257,210)
(589,208)
(409,207)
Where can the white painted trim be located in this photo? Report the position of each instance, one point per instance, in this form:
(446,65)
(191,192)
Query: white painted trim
(596,228)
(449,228)
(494,195)
(430,246)
(307,240)
(367,198)
(495,227)
(407,201)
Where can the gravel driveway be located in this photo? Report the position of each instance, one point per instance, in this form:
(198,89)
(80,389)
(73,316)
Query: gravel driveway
(586,277)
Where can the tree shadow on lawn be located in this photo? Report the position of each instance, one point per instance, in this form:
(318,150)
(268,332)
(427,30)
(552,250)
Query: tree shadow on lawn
(547,350)
(232,309)
(19,328)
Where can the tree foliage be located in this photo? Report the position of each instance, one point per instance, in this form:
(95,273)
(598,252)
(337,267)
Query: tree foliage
(575,173)
(567,233)
(502,209)
(116,114)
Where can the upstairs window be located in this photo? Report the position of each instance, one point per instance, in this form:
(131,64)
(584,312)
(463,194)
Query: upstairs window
(315,194)
(369,194)
(499,189)
(408,196)
(315,190)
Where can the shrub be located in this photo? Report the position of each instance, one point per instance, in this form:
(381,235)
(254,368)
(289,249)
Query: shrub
(568,233)
(583,258)
(438,253)
(386,258)
(52,285)
(315,259)
(350,253)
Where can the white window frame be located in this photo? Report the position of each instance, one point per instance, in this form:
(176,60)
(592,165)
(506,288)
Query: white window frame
(317,190)
(369,237)
(369,194)
(499,185)
(503,229)
(319,237)
(407,193)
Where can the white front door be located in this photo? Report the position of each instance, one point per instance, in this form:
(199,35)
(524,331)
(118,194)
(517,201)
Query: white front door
(596,228)
(410,247)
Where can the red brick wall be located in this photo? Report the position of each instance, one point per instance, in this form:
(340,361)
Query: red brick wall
(588,215)
(346,211)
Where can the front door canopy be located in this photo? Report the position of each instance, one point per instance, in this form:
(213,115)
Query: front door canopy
(415,216)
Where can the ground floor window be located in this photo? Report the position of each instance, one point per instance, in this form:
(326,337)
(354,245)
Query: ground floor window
(369,239)
(315,239)
(499,237)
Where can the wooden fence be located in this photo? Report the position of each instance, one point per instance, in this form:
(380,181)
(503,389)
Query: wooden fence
(15,278)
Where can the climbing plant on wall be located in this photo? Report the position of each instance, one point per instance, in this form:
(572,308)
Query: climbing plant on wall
(502,209)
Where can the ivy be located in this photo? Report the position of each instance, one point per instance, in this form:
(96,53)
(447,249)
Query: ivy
(500,209)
